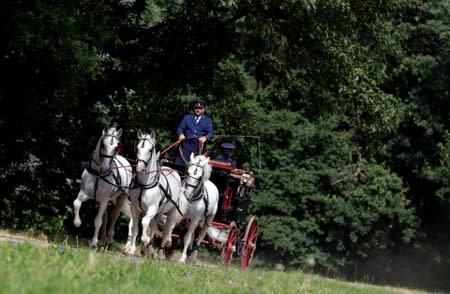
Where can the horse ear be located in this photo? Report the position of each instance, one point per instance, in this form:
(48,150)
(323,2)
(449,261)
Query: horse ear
(153,135)
(207,160)
(192,156)
(157,154)
(139,133)
(105,130)
(119,133)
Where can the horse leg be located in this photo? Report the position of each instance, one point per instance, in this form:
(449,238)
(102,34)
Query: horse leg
(98,222)
(130,247)
(82,196)
(167,238)
(201,235)
(171,221)
(126,206)
(115,215)
(149,215)
(153,227)
(188,238)
(103,230)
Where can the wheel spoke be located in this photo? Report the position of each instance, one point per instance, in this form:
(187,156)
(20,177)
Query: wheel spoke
(230,245)
(250,239)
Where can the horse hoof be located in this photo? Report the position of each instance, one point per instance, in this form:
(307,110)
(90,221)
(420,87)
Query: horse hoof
(193,257)
(147,251)
(161,255)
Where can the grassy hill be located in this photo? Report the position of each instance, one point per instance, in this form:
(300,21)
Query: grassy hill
(35,266)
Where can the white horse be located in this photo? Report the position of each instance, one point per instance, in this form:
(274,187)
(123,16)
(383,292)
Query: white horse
(155,191)
(106,177)
(203,197)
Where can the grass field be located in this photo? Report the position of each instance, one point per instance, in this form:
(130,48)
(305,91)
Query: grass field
(35,266)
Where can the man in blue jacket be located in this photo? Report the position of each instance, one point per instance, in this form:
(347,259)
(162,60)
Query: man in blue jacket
(194,131)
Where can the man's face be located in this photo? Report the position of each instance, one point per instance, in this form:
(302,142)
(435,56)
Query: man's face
(198,111)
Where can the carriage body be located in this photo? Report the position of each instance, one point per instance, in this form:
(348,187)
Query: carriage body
(230,231)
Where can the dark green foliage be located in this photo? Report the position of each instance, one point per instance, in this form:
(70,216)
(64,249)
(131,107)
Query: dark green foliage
(336,207)
(339,107)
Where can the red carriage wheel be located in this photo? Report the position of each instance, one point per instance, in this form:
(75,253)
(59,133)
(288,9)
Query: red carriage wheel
(249,242)
(230,245)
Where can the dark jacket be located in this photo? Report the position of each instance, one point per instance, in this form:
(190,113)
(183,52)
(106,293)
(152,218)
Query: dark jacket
(193,131)
(190,129)
(227,158)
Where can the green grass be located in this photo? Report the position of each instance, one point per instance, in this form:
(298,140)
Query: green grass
(36,267)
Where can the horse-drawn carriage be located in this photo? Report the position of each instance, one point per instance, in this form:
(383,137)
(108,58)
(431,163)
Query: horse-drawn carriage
(204,196)
(230,231)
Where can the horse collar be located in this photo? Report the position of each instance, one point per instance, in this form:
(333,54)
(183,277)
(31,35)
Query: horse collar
(198,193)
(146,186)
(94,171)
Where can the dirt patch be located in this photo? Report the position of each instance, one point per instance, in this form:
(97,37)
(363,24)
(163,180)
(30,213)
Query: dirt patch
(7,236)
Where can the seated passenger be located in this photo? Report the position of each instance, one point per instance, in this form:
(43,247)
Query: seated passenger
(227,154)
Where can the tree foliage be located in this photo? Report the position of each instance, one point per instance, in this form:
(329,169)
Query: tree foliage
(340,108)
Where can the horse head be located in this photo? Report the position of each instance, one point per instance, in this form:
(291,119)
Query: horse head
(145,150)
(197,172)
(108,147)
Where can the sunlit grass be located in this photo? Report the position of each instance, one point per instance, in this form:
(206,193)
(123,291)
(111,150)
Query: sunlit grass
(37,267)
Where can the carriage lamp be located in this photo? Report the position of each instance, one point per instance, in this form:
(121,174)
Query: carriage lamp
(245,178)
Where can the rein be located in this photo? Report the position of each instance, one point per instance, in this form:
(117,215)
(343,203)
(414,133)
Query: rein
(170,147)
(180,149)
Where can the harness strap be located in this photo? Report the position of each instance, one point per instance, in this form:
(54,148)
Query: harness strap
(203,195)
(140,199)
(205,200)
(95,188)
(117,179)
(197,193)
(90,169)
(167,194)
(134,184)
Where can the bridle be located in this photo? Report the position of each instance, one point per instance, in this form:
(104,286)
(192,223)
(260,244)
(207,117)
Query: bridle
(111,142)
(142,146)
(97,173)
(145,171)
(198,186)
(102,155)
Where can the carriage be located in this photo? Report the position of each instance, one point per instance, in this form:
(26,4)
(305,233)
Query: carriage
(154,193)
(232,231)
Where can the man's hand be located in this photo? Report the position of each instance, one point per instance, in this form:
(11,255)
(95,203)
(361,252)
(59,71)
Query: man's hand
(202,139)
(181,137)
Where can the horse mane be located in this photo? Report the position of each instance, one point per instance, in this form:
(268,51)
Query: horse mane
(207,172)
